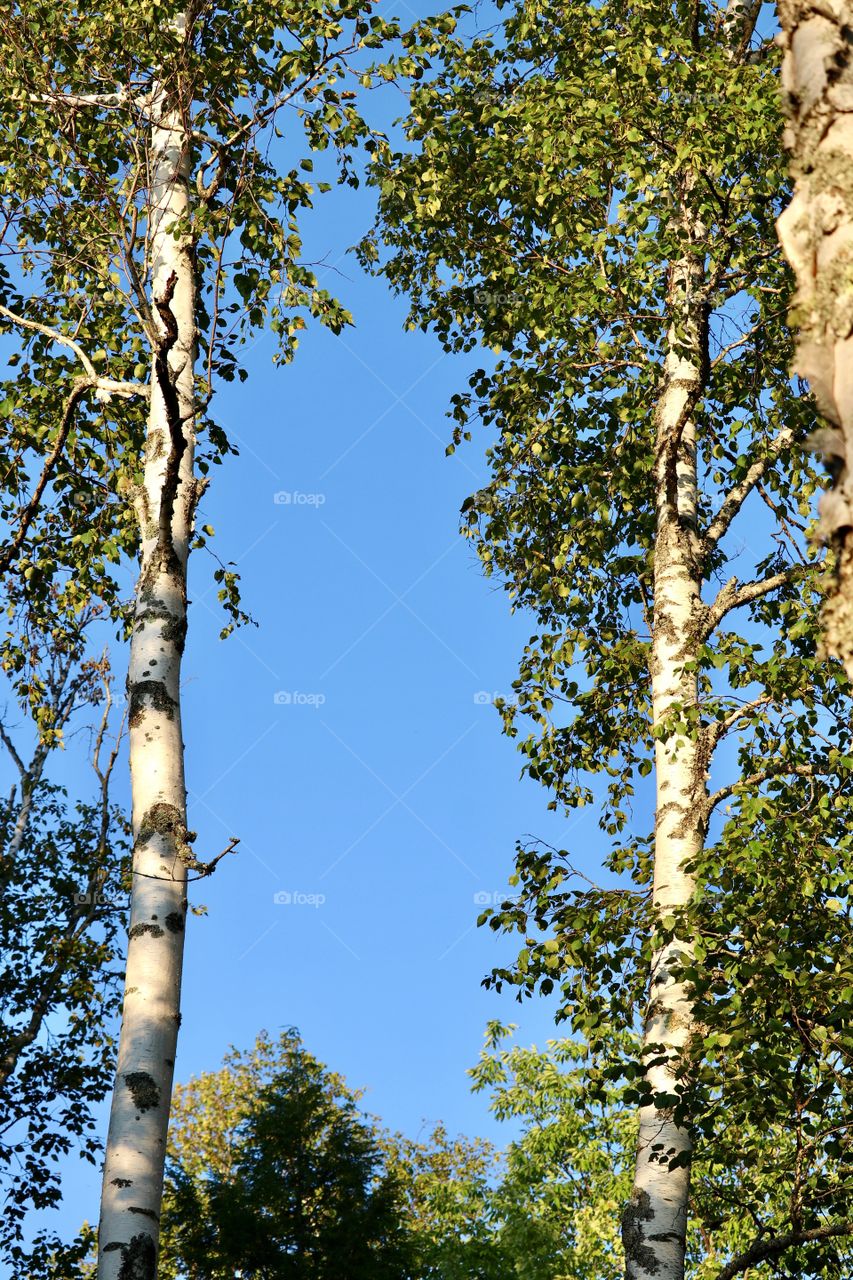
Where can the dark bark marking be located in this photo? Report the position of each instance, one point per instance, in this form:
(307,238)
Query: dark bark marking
(147,1213)
(143,1088)
(174,630)
(153,694)
(138,1258)
(142,928)
(637,1211)
(177,441)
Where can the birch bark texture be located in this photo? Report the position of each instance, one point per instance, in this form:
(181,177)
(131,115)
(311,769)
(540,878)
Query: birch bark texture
(165,505)
(155,211)
(608,217)
(816,233)
(655,1220)
(654,1224)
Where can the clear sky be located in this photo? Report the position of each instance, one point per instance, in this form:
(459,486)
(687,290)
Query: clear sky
(349,740)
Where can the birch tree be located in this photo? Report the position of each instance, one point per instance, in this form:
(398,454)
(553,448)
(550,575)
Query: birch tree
(146,235)
(591,194)
(815,231)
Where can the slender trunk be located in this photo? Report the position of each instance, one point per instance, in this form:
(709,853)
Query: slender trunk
(31,776)
(165,503)
(816,231)
(655,1220)
(29,781)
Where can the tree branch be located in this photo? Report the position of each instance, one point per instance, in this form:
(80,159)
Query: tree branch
(756,779)
(736,497)
(208,868)
(10,747)
(735,594)
(717,730)
(763,1250)
(8,553)
(74,100)
(104,387)
(746,335)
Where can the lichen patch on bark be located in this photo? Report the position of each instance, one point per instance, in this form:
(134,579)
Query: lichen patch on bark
(153,694)
(168,821)
(142,928)
(637,1211)
(143,1089)
(138,1258)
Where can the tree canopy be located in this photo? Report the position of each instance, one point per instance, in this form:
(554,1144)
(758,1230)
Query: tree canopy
(590,191)
(285,1179)
(586,193)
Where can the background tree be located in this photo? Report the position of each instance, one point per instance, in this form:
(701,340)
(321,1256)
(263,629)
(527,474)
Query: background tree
(590,191)
(460,1209)
(281,1178)
(544,1207)
(63,899)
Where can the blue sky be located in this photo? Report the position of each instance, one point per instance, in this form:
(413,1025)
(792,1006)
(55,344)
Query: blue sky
(349,740)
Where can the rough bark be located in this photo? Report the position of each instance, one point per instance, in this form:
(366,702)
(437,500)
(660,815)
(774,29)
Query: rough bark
(654,1222)
(816,231)
(165,504)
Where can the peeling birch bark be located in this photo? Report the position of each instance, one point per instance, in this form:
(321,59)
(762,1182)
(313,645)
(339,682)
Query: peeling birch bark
(165,505)
(816,232)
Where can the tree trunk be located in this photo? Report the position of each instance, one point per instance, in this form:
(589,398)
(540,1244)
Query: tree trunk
(165,504)
(816,231)
(654,1222)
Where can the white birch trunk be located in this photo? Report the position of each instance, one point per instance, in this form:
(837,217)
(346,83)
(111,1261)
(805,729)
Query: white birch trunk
(816,231)
(654,1222)
(165,503)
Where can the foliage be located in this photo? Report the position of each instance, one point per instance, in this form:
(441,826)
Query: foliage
(269,91)
(544,1208)
(63,898)
(447,1186)
(462,1210)
(291,1183)
(534,213)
